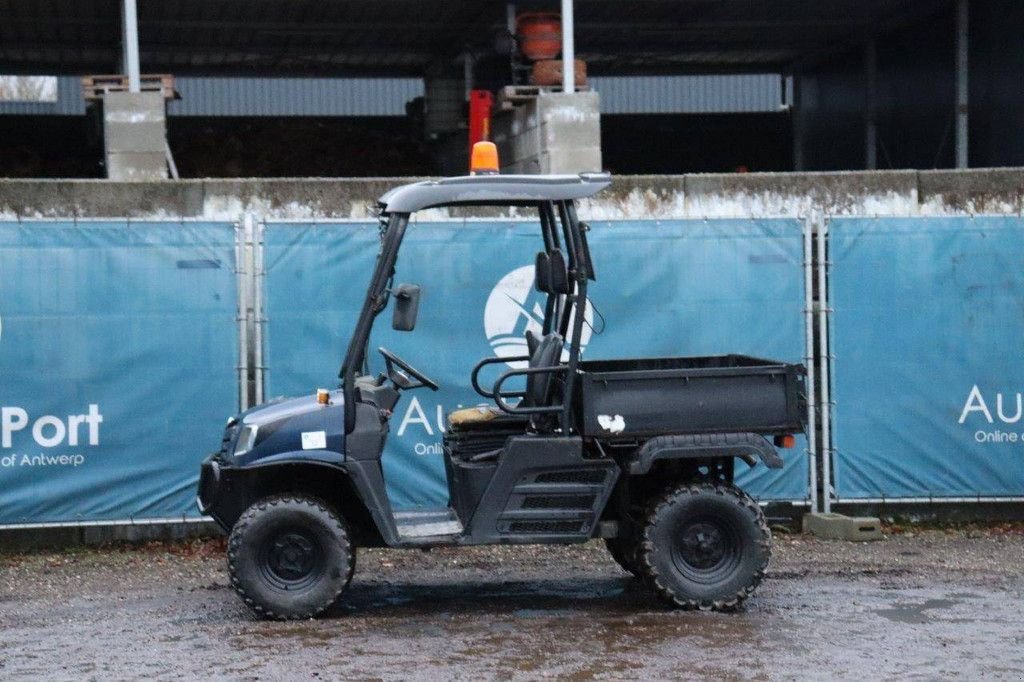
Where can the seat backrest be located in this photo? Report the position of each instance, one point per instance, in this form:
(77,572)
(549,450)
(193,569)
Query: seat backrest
(547,354)
(532,341)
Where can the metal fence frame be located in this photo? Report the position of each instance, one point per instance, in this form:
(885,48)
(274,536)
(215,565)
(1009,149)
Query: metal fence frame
(252,368)
(811,231)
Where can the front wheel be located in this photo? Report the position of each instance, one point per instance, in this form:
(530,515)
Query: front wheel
(705,546)
(290,557)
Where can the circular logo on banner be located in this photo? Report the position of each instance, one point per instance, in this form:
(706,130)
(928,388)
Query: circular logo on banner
(516,307)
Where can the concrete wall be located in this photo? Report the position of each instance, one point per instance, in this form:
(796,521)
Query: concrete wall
(554,132)
(899,193)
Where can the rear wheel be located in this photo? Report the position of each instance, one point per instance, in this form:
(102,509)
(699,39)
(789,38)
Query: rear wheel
(705,546)
(290,557)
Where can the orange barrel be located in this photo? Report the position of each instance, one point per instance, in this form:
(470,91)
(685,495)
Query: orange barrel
(539,34)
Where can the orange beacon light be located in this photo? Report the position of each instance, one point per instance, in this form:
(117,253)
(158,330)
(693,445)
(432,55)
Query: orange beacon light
(484,159)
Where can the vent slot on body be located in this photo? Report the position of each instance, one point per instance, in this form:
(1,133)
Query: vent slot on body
(584,476)
(559,502)
(547,526)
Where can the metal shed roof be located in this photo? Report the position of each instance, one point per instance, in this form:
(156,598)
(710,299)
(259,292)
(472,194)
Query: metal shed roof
(401,37)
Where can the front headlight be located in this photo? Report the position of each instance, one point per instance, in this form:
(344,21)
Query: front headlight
(246,439)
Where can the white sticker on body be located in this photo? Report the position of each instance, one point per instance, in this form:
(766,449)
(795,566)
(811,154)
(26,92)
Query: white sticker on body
(611,424)
(314,440)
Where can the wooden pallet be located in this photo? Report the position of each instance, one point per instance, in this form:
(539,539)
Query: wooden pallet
(95,87)
(511,96)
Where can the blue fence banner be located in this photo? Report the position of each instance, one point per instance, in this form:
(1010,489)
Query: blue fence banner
(118,352)
(928,370)
(663,288)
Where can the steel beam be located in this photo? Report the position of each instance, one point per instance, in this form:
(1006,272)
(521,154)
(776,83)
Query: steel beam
(130,44)
(870,105)
(961,84)
(568,48)
(798,121)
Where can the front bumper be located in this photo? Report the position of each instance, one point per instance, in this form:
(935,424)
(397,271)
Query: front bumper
(212,497)
(209,482)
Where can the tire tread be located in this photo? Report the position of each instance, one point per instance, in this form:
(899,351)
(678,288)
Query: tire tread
(672,497)
(235,541)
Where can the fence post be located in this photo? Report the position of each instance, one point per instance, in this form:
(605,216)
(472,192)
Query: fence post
(260,319)
(242,316)
(809,360)
(825,358)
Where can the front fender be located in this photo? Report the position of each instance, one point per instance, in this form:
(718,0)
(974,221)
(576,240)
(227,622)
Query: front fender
(316,457)
(226,490)
(746,446)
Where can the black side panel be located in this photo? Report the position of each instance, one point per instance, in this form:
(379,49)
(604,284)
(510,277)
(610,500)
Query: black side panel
(468,479)
(368,479)
(543,491)
(366,441)
(467,482)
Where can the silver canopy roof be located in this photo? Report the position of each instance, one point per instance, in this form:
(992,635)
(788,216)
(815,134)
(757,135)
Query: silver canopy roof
(492,189)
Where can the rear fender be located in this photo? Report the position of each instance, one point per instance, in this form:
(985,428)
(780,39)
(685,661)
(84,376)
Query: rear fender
(746,446)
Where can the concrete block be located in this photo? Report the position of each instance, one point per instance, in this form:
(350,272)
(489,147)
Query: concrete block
(561,133)
(572,160)
(134,135)
(987,190)
(100,199)
(755,195)
(134,106)
(527,145)
(142,136)
(587,100)
(839,527)
(527,166)
(135,166)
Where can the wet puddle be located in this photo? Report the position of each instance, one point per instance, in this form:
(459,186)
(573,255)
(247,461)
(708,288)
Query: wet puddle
(917,614)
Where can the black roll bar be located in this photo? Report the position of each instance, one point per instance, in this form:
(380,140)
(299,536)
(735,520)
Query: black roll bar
(539,409)
(475,376)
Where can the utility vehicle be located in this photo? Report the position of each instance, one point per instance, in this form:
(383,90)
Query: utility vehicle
(639,452)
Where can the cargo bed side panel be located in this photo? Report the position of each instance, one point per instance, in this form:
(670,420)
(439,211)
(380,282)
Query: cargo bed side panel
(762,399)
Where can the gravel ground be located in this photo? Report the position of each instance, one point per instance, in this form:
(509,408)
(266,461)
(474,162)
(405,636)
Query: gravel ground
(924,604)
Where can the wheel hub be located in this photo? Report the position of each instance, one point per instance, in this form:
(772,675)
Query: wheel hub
(292,556)
(703,545)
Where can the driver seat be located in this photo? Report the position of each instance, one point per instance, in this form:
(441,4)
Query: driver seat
(545,352)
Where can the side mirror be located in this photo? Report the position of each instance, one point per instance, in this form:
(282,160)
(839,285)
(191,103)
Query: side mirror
(407,305)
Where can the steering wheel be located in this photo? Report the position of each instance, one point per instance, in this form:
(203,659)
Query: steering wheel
(400,377)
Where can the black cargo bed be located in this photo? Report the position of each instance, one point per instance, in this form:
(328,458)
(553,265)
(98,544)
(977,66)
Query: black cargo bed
(713,394)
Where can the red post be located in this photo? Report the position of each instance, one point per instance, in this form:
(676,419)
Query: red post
(480,103)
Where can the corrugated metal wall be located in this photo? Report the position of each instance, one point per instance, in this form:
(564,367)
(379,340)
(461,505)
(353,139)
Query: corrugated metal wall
(255,97)
(294,96)
(735,93)
(69,101)
(388,96)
